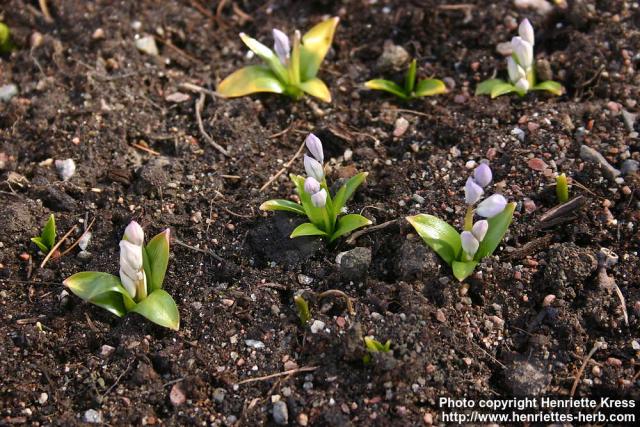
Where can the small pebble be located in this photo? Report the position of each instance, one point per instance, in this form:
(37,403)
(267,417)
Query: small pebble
(401,127)
(147,44)
(7,92)
(317,326)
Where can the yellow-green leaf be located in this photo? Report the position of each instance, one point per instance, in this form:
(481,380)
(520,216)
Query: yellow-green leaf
(267,55)
(346,191)
(440,236)
(282,205)
(348,223)
(502,89)
(251,79)
(159,308)
(486,87)
(550,86)
(562,188)
(387,86)
(156,259)
(315,45)
(410,77)
(498,226)
(101,289)
(463,269)
(430,87)
(307,229)
(316,87)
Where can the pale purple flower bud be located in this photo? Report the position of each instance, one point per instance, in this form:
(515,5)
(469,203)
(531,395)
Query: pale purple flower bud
(134,234)
(319,200)
(281,45)
(131,270)
(516,72)
(523,50)
(311,185)
(314,145)
(313,168)
(470,244)
(522,85)
(491,206)
(479,229)
(525,30)
(472,192)
(482,175)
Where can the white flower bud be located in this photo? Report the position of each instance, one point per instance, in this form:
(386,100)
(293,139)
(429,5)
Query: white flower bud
(522,85)
(523,50)
(311,185)
(525,30)
(491,206)
(516,72)
(479,229)
(131,270)
(313,168)
(319,200)
(470,244)
(314,145)
(472,192)
(482,175)
(281,45)
(134,234)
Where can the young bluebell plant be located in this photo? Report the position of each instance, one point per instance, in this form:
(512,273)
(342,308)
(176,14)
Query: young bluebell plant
(478,239)
(325,213)
(6,45)
(562,188)
(47,238)
(290,70)
(139,287)
(374,346)
(410,90)
(521,69)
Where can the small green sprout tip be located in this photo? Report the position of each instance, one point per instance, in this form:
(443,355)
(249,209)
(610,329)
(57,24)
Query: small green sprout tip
(410,90)
(374,346)
(562,188)
(6,45)
(47,238)
(303,309)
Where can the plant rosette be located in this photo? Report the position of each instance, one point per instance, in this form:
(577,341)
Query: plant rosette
(139,287)
(412,88)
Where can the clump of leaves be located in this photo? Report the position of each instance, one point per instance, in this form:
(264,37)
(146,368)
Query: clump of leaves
(562,188)
(325,213)
(521,68)
(291,70)
(47,239)
(463,251)
(6,45)
(374,346)
(139,287)
(303,309)
(410,90)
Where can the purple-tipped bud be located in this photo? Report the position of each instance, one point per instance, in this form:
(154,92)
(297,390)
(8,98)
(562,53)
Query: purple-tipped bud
(479,229)
(482,175)
(281,45)
(134,233)
(132,273)
(319,200)
(491,206)
(469,243)
(311,185)
(525,30)
(523,51)
(313,168)
(314,145)
(522,85)
(472,192)
(516,72)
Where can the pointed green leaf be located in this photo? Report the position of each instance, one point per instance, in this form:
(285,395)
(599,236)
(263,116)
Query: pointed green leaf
(303,309)
(101,289)
(159,308)
(294,60)
(387,86)
(550,86)
(40,244)
(503,89)
(314,214)
(463,269)
(348,223)
(251,79)
(282,205)
(315,45)
(562,188)
(440,236)
(267,55)
(307,229)
(346,191)
(430,87)
(410,77)
(156,259)
(486,87)
(5,38)
(49,232)
(498,226)
(316,87)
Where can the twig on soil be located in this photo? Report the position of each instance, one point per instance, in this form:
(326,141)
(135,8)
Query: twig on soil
(172,382)
(404,110)
(199,89)
(502,365)
(199,107)
(193,248)
(147,149)
(56,246)
(282,132)
(178,50)
(549,218)
(354,236)
(622,303)
(45,11)
(595,348)
(530,247)
(78,239)
(339,293)
(284,168)
(118,379)
(279,374)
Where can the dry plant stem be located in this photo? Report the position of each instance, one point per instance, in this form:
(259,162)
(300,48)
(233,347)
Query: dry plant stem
(78,239)
(147,149)
(199,89)
(622,303)
(56,246)
(203,251)
(584,365)
(354,236)
(45,11)
(199,107)
(338,293)
(284,169)
(279,374)
(563,209)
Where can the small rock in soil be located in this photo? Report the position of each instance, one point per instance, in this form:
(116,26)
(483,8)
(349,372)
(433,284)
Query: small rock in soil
(353,348)
(106,350)
(393,57)
(568,266)
(147,44)
(92,416)
(354,264)
(7,92)
(151,177)
(589,154)
(317,326)
(416,261)
(401,127)
(629,167)
(543,70)
(219,394)
(629,119)
(524,378)
(176,395)
(280,413)
(66,168)
(57,200)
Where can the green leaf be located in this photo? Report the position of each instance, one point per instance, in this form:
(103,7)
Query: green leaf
(316,87)
(314,214)
(307,229)
(348,223)
(498,226)
(430,87)
(486,87)
(159,308)
(346,191)
(282,205)
(387,86)
(440,236)
(410,77)
(101,289)
(251,79)
(315,45)
(562,188)
(303,309)
(156,260)
(375,346)
(503,89)
(267,55)
(463,269)
(550,86)
(294,60)
(42,246)
(49,232)
(5,38)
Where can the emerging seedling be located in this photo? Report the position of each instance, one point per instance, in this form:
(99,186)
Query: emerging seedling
(6,45)
(303,309)
(426,87)
(47,239)
(464,251)
(374,346)
(562,188)
(521,68)
(139,288)
(290,70)
(323,211)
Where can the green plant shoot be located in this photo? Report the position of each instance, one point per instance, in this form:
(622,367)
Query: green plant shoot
(374,346)
(303,309)
(562,188)
(47,239)
(410,90)
(6,45)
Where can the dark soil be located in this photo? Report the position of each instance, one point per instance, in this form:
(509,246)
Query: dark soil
(95,98)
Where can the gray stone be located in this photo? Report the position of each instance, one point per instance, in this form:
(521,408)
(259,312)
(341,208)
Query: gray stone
(543,70)
(92,416)
(280,413)
(629,167)
(416,261)
(354,264)
(589,154)
(629,119)
(393,57)
(7,92)
(147,44)
(219,395)
(526,378)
